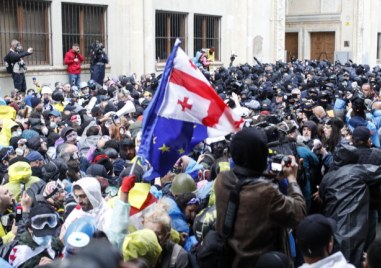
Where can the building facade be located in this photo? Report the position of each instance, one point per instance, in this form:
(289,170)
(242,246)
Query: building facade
(334,30)
(138,34)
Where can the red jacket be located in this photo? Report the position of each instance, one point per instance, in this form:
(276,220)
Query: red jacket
(72,66)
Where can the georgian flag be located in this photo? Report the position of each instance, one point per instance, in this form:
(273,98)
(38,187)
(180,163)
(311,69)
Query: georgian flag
(184,111)
(21,253)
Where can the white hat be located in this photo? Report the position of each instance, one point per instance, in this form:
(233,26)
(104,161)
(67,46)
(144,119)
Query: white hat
(82,85)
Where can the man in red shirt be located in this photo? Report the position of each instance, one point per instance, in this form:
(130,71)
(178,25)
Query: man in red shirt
(73,61)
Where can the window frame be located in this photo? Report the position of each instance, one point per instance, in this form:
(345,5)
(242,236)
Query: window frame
(204,32)
(21,34)
(81,36)
(169,39)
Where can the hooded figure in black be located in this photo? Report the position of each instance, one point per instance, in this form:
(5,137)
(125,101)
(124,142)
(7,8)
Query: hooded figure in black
(98,62)
(344,191)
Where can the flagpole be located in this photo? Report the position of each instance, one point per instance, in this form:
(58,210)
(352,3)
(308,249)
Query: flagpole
(134,165)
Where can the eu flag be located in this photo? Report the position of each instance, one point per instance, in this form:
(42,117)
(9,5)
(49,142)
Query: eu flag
(184,111)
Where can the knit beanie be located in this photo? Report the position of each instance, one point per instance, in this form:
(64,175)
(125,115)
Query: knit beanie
(249,149)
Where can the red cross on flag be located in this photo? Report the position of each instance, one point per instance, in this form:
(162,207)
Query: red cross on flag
(190,97)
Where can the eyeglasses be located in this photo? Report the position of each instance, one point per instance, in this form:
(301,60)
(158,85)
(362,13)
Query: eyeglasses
(38,222)
(9,152)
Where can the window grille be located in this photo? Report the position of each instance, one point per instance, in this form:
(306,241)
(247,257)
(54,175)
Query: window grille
(29,23)
(207,34)
(83,24)
(168,27)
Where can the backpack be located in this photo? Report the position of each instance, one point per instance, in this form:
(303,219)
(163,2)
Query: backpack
(8,64)
(214,250)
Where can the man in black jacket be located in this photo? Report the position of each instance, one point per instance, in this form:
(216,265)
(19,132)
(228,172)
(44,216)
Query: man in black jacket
(98,62)
(367,155)
(345,195)
(16,55)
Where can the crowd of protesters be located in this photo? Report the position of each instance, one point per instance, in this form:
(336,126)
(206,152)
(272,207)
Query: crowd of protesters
(302,177)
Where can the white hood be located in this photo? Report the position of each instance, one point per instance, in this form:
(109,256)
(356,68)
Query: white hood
(336,260)
(92,189)
(100,210)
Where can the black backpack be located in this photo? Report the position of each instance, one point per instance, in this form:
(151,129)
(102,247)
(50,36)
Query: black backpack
(214,251)
(8,64)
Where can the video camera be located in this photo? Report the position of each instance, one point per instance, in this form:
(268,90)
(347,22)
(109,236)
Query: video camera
(97,48)
(275,163)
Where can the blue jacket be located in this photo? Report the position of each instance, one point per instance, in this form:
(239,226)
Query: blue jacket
(356,121)
(178,221)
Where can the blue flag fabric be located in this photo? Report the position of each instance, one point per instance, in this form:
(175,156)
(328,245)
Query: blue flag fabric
(184,111)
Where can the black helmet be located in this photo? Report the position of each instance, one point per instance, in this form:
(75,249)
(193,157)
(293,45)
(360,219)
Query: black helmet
(57,95)
(92,84)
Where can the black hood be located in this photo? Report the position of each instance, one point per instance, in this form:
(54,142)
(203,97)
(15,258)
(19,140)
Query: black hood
(345,155)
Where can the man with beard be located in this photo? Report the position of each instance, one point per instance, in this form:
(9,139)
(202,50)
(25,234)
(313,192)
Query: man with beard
(87,193)
(128,151)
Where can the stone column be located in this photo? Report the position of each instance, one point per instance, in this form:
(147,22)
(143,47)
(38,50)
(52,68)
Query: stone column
(148,37)
(56,24)
(366,32)
(279,29)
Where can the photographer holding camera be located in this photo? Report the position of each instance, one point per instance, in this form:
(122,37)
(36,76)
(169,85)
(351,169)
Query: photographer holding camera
(17,65)
(73,61)
(263,213)
(98,62)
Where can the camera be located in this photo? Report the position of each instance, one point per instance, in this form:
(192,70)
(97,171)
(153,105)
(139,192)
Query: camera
(275,162)
(98,48)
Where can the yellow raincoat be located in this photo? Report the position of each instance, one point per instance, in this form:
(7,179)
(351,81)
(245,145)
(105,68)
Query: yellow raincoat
(19,172)
(6,133)
(7,112)
(142,244)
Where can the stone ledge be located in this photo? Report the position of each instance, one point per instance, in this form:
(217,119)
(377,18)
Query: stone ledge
(313,18)
(50,69)
(159,66)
